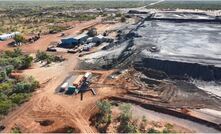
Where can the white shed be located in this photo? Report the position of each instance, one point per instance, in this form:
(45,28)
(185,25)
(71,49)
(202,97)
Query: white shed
(8,35)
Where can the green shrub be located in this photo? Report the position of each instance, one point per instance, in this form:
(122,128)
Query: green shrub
(43,56)
(26,86)
(104,111)
(118,15)
(104,107)
(5,106)
(19,38)
(2,76)
(6,86)
(26,62)
(16,59)
(126,113)
(126,125)
(169,126)
(19,98)
(9,69)
(16,130)
(152,130)
(165,130)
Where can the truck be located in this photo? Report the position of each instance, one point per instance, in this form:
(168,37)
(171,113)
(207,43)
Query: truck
(70,90)
(64,87)
(78,81)
(87,75)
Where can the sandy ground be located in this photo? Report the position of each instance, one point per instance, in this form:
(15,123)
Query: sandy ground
(63,110)
(45,104)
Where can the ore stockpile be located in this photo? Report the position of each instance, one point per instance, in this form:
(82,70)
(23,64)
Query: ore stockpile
(192,47)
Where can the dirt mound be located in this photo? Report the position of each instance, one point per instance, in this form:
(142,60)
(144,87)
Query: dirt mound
(46,122)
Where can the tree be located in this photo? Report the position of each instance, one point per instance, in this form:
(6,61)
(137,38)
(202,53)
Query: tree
(126,113)
(104,106)
(5,106)
(105,110)
(19,98)
(41,56)
(125,120)
(26,86)
(2,76)
(104,117)
(26,62)
(118,15)
(19,38)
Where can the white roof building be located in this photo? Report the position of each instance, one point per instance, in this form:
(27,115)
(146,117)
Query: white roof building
(8,35)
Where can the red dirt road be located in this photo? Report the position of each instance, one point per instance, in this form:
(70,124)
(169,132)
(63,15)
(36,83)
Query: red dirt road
(45,40)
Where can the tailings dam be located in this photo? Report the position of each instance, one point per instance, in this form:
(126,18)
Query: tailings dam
(183,48)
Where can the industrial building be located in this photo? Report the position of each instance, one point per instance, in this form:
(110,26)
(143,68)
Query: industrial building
(68,42)
(8,36)
(71,42)
(82,38)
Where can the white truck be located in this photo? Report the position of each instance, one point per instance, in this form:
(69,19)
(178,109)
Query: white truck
(64,87)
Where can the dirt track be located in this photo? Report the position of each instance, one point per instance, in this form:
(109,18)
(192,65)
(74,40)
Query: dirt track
(45,104)
(61,109)
(45,40)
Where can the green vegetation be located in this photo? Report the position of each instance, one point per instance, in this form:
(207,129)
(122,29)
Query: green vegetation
(85,17)
(186,4)
(15,59)
(124,122)
(63,5)
(33,17)
(19,38)
(104,117)
(126,125)
(16,130)
(14,92)
(152,130)
(48,58)
(56,29)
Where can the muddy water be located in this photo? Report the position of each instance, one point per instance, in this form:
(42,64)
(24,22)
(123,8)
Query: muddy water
(156,116)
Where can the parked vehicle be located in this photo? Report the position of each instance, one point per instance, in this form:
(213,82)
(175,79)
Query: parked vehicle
(73,51)
(51,49)
(64,87)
